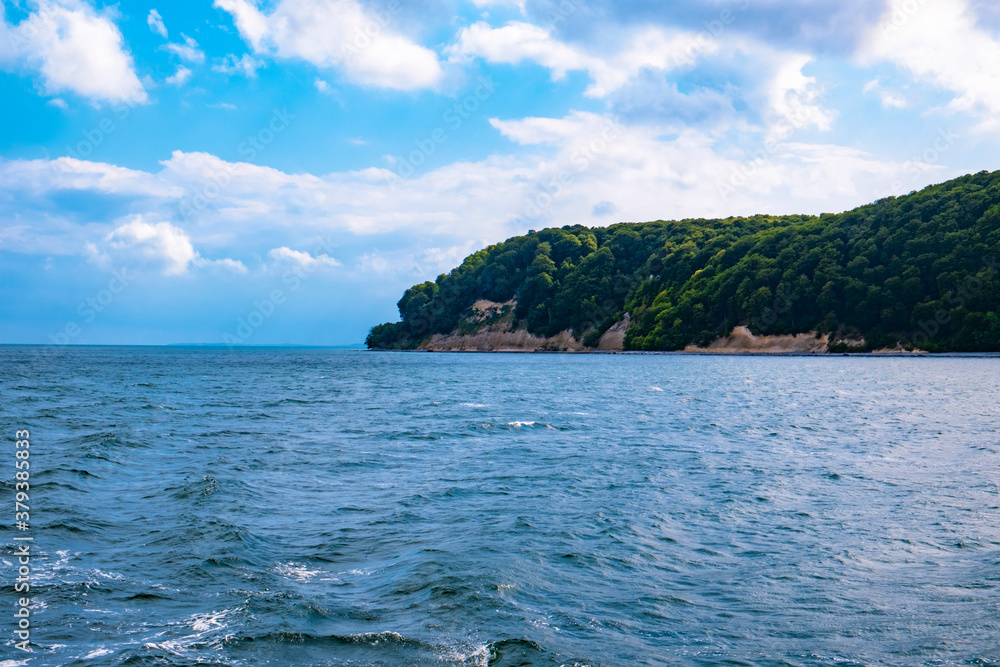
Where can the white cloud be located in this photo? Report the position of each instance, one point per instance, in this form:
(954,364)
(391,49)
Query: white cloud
(941,43)
(246,65)
(578,126)
(70,174)
(188,51)
(888,99)
(569,166)
(373,263)
(795,100)
(338,34)
(892,101)
(155,22)
(160,244)
(518,41)
(233,265)
(500,3)
(321,85)
(249,21)
(302,259)
(180,77)
(74,49)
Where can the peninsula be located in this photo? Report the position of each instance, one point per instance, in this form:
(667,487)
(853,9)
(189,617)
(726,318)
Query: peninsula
(914,273)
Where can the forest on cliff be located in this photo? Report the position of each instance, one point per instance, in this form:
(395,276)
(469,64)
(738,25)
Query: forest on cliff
(919,271)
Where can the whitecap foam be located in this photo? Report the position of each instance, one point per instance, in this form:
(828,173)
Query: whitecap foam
(48,570)
(385,635)
(207,633)
(520,424)
(211,621)
(97,653)
(474,656)
(296,571)
(472,405)
(655,389)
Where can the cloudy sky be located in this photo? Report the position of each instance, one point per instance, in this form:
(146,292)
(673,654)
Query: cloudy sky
(278,172)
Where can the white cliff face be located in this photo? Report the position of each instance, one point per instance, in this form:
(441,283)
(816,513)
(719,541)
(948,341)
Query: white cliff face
(498,331)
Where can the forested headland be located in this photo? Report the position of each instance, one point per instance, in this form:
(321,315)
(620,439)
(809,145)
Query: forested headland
(920,271)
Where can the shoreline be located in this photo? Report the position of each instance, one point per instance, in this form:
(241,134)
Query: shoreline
(694,353)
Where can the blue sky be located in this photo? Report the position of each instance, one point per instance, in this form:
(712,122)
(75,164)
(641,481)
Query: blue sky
(279,172)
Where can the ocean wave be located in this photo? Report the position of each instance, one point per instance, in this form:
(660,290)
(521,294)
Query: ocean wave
(299,572)
(531,424)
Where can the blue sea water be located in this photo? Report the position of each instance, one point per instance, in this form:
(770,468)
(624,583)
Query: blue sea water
(322,507)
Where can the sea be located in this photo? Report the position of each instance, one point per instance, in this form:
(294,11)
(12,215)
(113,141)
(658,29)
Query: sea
(202,506)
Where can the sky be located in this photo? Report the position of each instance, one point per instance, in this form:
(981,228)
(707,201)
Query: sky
(250,172)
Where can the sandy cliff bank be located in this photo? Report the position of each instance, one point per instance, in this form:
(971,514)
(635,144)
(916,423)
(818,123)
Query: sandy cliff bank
(741,341)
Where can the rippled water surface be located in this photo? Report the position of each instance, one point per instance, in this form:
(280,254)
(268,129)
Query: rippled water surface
(319,507)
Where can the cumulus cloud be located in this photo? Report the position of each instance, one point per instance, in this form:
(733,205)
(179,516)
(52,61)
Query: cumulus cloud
(246,65)
(180,77)
(652,98)
(638,71)
(518,41)
(72,48)
(42,177)
(341,35)
(301,258)
(888,99)
(160,244)
(155,22)
(188,51)
(568,170)
(941,43)
(824,27)
(795,99)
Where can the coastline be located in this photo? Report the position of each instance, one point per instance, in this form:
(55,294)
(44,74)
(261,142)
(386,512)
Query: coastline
(702,353)
(505,336)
